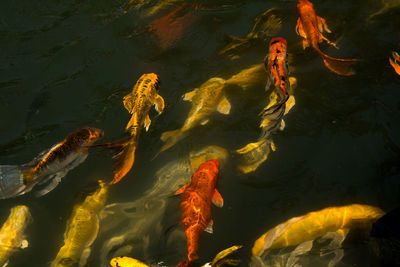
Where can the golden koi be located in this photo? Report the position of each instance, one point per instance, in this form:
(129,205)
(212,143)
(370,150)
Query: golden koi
(395,62)
(52,165)
(126,262)
(144,94)
(205,100)
(313,225)
(82,229)
(311,28)
(12,232)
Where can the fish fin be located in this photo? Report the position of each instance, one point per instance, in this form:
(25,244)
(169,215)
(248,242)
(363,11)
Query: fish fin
(204,122)
(268,84)
(299,29)
(128,102)
(53,184)
(289,104)
(189,96)
(322,26)
(250,147)
(125,158)
(282,126)
(224,106)
(170,138)
(395,62)
(6,263)
(159,104)
(209,229)
(220,260)
(84,256)
(181,190)
(217,199)
(306,43)
(339,66)
(147,122)
(114,144)
(24,244)
(292,83)
(273,146)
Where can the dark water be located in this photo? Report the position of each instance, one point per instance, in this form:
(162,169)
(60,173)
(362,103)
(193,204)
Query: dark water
(67,64)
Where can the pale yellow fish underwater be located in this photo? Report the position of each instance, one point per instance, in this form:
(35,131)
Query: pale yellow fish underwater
(82,229)
(206,99)
(313,225)
(266,25)
(12,232)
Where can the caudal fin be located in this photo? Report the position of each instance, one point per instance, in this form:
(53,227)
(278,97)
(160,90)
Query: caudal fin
(170,138)
(124,160)
(337,65)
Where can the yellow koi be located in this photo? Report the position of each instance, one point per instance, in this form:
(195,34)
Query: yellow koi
(126,262)
(205,100)
(313,225)
(82,229)
(12,232)
(144,94)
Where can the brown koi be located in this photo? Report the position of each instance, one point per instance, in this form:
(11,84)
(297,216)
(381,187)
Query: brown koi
(310,27)
(196,199)
(144,94)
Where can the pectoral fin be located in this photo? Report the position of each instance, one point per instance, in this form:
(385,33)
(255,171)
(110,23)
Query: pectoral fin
(224,106)
(128,102)
(189,96)
(322,25)
(299,29)
(147,122)
(209,229)
(159,103)
(217,199)
(180,190)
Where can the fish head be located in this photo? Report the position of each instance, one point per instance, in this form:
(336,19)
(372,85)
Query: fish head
(94,135)
(151,79)
(21,214)
(211,167)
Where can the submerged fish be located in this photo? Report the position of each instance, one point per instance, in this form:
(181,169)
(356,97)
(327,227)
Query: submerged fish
(281,100)
(126,262)
(170,28)
(311,28)
(196,199)
(386,6)
(395,62)
(221,260)
(136,225)
(51,165)
(266,25)
(82,229)
(313,225)
(144,94)
(12,232)
(205,100)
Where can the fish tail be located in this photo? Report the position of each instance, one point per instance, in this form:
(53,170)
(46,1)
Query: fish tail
(124,158)
(184,263)
(171,138)
(337,65)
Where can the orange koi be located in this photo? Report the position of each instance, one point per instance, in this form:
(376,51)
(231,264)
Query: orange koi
(144,94)
(169,28)
(310,27)
(395,62)
(196,199)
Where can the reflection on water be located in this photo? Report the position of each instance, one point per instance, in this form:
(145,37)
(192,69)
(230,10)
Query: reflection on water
(67,64)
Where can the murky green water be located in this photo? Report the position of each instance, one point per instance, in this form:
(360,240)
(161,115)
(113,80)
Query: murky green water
(67,64)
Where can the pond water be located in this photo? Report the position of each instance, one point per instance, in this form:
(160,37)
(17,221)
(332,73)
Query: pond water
(68,64)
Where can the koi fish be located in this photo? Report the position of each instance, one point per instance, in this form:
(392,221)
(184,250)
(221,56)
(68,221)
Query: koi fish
(386,6)
(311,28)
(313,225)
(205,100)
(82,229)
(140,219)
(12,232)
(144,94)
(51,165)
(196,199)
(221,260)
(169,28)
(126,262)
(266,24)
(395,62)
